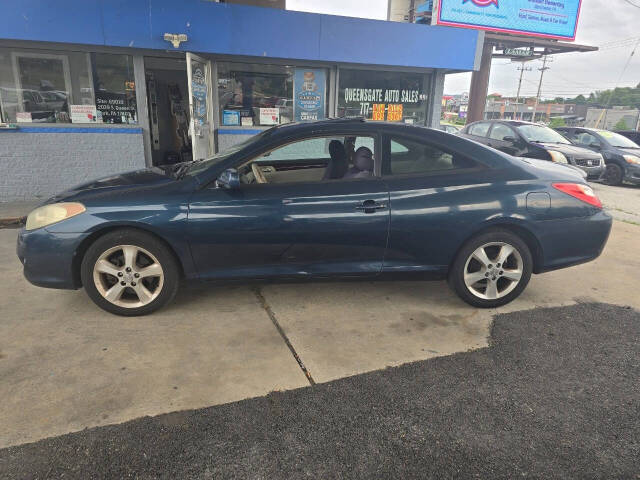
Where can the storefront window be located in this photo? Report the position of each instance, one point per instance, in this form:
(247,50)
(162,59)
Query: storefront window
(266,95)
(376,95)
(46,86)
(114,88)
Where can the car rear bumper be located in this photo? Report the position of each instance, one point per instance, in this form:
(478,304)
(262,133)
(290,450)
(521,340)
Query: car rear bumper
(571,241)
(47,258)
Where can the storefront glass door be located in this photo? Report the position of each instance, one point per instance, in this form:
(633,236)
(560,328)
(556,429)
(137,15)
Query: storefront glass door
(200,103)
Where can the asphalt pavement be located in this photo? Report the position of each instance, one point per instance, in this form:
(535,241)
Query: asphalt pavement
(555,395)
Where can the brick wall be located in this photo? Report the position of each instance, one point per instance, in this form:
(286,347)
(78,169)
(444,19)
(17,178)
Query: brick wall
(35,164)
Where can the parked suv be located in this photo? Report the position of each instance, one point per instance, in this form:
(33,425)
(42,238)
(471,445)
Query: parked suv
(526,139)
(621,155)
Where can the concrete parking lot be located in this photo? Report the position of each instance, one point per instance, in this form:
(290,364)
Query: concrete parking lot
(66,365)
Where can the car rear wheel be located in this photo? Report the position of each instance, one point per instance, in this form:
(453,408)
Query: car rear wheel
(491,269)
(129,272)
(613,174)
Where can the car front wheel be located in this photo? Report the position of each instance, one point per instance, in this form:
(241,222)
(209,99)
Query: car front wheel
(491,269)
(613,174)
(129,272)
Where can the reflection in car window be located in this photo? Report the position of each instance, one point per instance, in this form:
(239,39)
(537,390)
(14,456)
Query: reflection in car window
(410,156)
(198,167)
(309,149)
(541,134)
(479,129)
(500,131)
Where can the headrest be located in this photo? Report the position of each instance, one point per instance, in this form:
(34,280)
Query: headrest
(363,159)
(336,149)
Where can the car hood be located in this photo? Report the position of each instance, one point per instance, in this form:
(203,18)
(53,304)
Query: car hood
(629,151)
(571,150)
(115,184)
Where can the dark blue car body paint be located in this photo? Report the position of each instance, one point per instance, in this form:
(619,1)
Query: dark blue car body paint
(308,230)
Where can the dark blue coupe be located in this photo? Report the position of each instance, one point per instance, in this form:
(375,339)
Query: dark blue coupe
(334,198)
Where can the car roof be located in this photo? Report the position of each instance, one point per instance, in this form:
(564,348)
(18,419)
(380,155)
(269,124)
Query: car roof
(358,124)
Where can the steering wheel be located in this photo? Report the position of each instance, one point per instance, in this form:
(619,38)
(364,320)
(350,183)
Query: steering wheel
(258,173)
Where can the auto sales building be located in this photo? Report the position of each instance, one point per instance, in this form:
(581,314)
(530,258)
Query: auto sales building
(89,88)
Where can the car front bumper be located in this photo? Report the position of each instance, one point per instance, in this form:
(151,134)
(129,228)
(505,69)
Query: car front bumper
(593,173)
(632,175)
(48,258)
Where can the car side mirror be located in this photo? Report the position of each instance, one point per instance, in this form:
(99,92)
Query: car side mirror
(595,146)
(510,138)
(229,179)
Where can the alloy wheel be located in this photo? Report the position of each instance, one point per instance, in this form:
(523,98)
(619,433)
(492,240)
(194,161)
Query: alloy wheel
(493,270)
(128,276)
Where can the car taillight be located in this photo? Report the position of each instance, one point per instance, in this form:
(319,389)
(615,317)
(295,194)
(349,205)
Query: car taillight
(579,191)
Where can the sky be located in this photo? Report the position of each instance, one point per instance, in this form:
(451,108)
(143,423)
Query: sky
(602,22)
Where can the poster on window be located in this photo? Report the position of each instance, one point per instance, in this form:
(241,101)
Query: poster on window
(85,114)
(309,94)
(199,95)
(269,116)
(115,107)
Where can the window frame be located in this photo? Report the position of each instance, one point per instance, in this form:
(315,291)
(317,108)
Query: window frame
(377,166)
(386,159)
(16,54)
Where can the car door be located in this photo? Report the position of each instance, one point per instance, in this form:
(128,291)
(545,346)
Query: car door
(504,138)
(300,227)
(436,196)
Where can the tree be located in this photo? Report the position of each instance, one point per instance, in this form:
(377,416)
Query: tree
(621,125)
(557,122)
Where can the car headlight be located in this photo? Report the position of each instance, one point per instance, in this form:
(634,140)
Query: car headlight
(632,159)
(558,157)
(55,212)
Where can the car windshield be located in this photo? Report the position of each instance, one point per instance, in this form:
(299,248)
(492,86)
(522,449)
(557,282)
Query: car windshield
(541,134)
(199,166)
(617,140)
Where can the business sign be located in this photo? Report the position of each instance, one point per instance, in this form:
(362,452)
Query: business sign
(538,18)
(309,94)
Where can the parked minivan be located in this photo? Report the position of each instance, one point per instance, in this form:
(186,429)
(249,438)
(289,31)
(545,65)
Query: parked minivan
(526,139)
(621,155)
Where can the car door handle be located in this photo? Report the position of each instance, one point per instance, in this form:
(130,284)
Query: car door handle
(370,206)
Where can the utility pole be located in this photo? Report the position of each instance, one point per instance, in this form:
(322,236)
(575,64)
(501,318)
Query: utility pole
(542,70)
(522,70)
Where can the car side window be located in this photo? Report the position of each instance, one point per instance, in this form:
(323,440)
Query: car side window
(313,159)
(479,129)
(312,148)
(584,138)
(500,132)
(409,156)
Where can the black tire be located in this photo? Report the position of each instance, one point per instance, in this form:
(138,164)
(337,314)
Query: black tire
(614,174)
(457,271)
(142,240)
